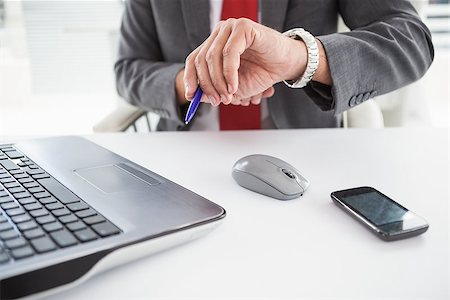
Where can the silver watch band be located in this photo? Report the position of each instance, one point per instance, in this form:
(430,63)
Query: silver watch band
(313,56)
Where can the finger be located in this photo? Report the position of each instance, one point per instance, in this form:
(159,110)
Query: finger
(245,102)
(190,79)
(202,69)
(268,93)
(214,59)
(255,100)
(235,46)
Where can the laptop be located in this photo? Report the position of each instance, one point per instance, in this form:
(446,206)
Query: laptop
(70,208)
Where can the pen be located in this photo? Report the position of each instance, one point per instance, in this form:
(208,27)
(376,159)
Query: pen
(194,105)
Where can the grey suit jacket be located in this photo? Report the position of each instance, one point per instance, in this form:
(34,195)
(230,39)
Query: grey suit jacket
(388,47)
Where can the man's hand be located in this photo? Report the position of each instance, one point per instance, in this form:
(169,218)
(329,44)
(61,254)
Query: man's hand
(240,62)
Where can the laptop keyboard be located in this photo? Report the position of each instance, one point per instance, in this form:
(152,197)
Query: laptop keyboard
(38,214)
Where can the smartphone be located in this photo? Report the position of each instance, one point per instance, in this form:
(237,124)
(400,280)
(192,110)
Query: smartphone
(386,218)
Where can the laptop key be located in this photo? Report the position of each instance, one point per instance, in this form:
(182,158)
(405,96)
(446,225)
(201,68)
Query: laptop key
(38,213)
(4,258)
(3,194)
(32,206)
(8,165)
(61,212)
(68,219)
(63,238)
(9,205)
(52,226)
(8,235)
(48,200)
(42,195)
(94,220)
(53,206)
(30,184)
(28,200)
(21,176)
(20,218)
(35,171)
(7,180)
(59,191)
(15,211)
(76,226)
(43,244)
(40,176)
(15,243)
(23,252)
(33,233)
(35,190)
(21,195)
(18,189)
(14,154)
(5,226)
(2,218)
(27,225)
(77,206)
(45,219)
(11,185)
(86,213)
(25,180)
(105,229)
(85,235)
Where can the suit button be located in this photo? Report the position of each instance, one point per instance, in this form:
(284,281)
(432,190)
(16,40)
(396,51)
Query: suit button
(366,96)
(359,99)
(352,102)
(373,94)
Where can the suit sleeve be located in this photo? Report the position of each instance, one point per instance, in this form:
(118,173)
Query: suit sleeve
(387,48)
(143,78)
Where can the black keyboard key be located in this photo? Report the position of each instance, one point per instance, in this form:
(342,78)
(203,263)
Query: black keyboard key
(30,184)
(77,206)
(33,233)
(32,206)
(38,213)
(27,225)
(45,219)
(68,219)
(48,200)
(61,212)
(8,235)
(35,190)
(14,154)
(21,195)
(15,243)
(53,206)
(5,226)
(15,211)
(59,191)
(20,218)
(105,229)
(85,235)
(18,189)
(42,195)
(8,165)
(28,200)
(43,244)
(86,213)
(63,238)
(94,220)
(52,226)
(9,205)
(76,226)
(22,252)
(4,258)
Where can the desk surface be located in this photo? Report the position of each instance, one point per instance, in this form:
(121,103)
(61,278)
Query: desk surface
(306,247)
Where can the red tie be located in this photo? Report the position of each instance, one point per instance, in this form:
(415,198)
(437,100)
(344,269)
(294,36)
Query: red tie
(237,117)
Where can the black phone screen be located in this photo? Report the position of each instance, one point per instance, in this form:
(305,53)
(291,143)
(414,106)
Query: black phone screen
(375,207)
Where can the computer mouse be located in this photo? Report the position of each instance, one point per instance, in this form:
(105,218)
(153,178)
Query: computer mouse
(269,176)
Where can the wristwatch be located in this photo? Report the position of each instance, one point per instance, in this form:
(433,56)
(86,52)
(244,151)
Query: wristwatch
(313,57)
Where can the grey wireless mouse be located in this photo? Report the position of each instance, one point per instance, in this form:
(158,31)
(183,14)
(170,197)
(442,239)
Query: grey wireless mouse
(269,176)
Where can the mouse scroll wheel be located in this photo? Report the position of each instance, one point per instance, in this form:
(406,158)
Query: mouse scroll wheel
(288,173)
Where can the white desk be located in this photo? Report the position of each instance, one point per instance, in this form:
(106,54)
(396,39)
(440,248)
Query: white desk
(303,248)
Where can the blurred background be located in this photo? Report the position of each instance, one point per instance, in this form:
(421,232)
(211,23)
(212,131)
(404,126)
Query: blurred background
(56,68)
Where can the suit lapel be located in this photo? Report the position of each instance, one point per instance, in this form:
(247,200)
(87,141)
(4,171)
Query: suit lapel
(196,20)
(273,13)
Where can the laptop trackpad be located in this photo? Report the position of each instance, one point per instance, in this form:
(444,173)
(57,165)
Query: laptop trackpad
(116,178)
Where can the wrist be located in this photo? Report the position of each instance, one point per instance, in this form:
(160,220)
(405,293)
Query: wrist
(179,88)
(322,74)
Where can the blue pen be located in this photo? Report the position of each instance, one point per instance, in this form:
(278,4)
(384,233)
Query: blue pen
(194,105)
